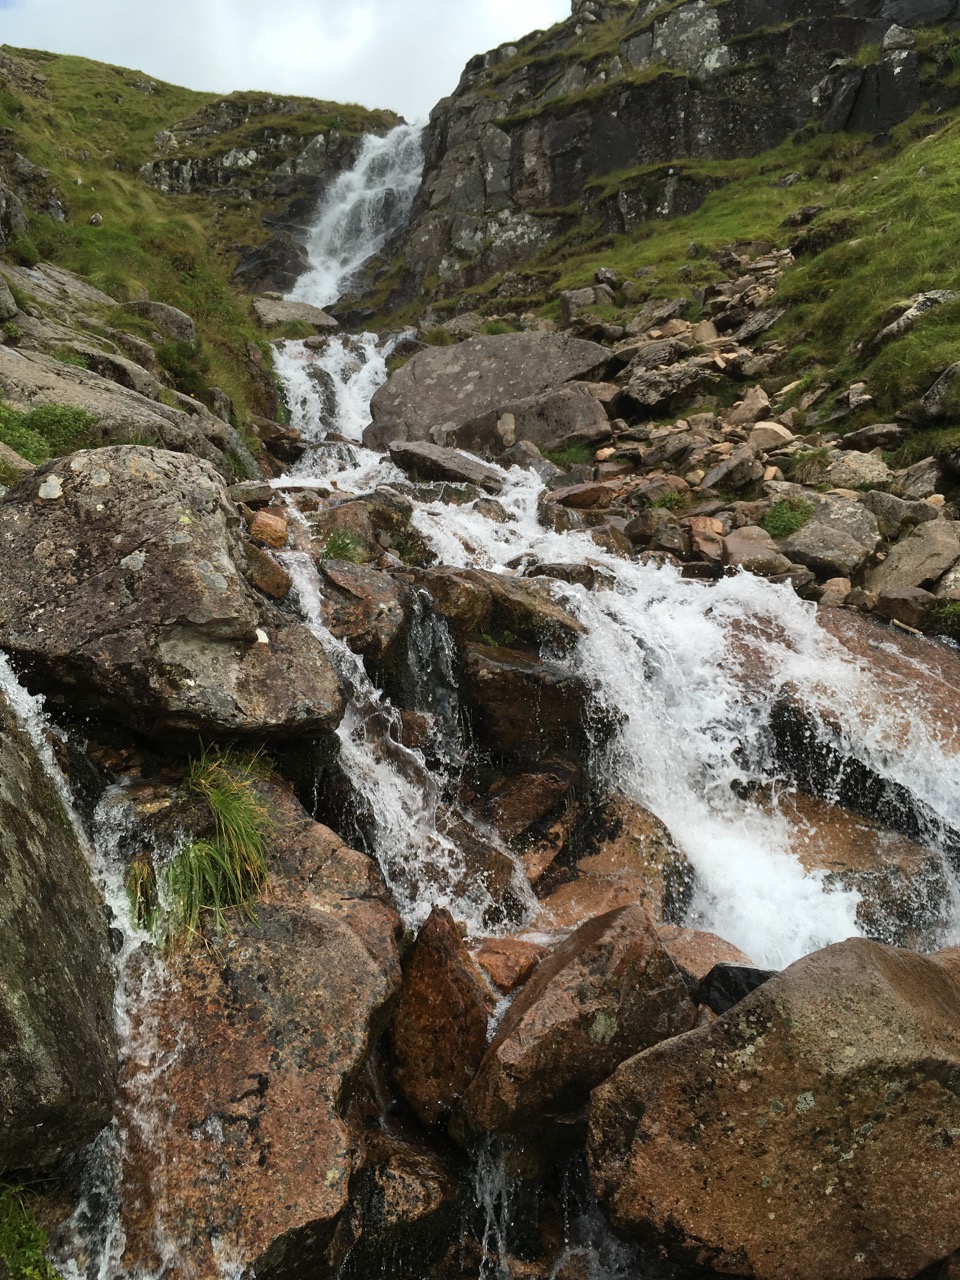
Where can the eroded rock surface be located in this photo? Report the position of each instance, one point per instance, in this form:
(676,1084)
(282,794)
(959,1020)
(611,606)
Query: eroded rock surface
(120,588)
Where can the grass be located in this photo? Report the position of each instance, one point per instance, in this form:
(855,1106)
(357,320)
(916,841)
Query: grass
(787,516)
(212,874)
(343,545)
(22,1240)
(807,466)
(575,455)
(50,431)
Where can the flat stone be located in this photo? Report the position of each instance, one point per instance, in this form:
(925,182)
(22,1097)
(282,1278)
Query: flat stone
(271,312)
(837,540)
(434,462)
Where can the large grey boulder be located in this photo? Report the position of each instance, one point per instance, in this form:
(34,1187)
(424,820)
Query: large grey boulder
(171,321)
(569,415)
(120,587)
(920,558)
(837,540)
(444,389)
(58,1052)
(434,462)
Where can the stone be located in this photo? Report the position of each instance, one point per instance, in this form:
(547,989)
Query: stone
(727,984)
(583,496)
(918,559)
(695,951)
(517,802)
(748,410)
(752,549)
(367,609)
(270,528)
(121,588)
(736,471)
(12,466)
(835,592)
(8,305)
(476,601)
(271,312)
(58,1053)
(939,400)
(609,987)
(920,481)
(171,322)
(509,962)
(554,420)
(630,858)
(434,462)
(898,38)
(881,435)
(496,680)
(837,540)
(443,389)
(768,436)
(660,391)
(856,468)
(266,574)
(439,1029)
(903,888)
(715,1144)
(920,305)
(895,515)
(528,457)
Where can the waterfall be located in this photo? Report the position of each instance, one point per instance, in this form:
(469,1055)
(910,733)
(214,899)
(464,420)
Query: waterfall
(362,209)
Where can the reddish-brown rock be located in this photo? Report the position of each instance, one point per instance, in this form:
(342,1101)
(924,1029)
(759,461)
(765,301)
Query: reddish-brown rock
(515,803)
(509,962)
(605,992)
(270,528)
(695,951)
(440,1024)
(807,1133)
(363,607)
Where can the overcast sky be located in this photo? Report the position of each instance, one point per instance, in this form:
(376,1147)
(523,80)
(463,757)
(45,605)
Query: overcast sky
(403,54)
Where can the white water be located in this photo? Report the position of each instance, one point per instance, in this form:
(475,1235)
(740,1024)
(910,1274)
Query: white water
(362,209)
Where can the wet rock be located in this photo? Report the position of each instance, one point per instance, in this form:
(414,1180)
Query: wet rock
(903,889)
(509,962)
(439,1030)
(518,802)
(726,984)
(609,987)
(529,458)
(270,528)
(695,952)
(716,1144)
(121,589)
(446,388)
(266,574)
(433,462)
(497,680)
(919,559)
(631,859)
(366,608)
(837,540)
(583,496)
(476,601)
(58,1054)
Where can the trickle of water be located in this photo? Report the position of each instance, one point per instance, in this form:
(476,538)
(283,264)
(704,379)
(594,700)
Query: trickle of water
(362,209)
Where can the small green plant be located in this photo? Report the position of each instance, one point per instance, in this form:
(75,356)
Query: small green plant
(438,337)
(67,355)
(787,516)
(669,501)
(807,466)
(23,251)
(497,327)
(228,870)
(575,455)
(344,545)
(12,333)
(22,1239)
(944,619)
(141,886)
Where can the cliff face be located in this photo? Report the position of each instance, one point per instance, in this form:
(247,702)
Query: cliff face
(529,142)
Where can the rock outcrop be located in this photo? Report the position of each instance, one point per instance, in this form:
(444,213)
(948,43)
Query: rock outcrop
(122,589)
(828,1095)
(58,1056)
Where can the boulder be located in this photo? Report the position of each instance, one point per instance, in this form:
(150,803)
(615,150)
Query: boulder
(271,312)
(8,304)
(121,587)
(903,889)
(58,1053)
(171,322)
(895,515)
(603,994)
(735,471)
(920,481)
(919,559)
(659,391)
(837,540)
(881,435)
(857,468)
(909,605)
(435,462)
(828,1095)
(439,1030)
(444,389)
(509,962)
(475,601)
(364,607)
(695,951)
(554,420)
(751,548)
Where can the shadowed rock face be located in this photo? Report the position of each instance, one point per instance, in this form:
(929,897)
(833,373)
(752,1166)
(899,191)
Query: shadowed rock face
(57,1044)
(806,1133)
(120,588)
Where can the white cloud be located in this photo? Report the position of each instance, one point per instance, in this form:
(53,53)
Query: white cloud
(404,54)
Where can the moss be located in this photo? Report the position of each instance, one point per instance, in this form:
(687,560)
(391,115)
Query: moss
(787,516)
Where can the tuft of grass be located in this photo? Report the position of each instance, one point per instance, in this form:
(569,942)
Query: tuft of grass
(575,455)
(209,876)
(787,516)
(808,466)
(669,501)
(944,619)
(438,337)
(343,545)
(22,1240)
